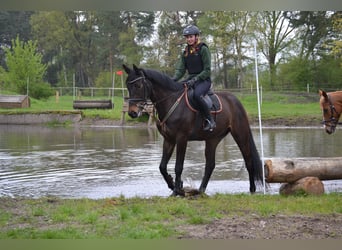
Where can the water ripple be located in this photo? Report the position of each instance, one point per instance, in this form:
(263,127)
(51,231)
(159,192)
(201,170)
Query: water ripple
(111,162)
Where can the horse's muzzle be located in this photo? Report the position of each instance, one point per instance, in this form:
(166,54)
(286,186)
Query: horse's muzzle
(135,109)
(329,129)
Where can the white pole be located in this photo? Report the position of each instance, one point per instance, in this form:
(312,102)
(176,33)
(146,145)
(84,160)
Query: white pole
(259,112)
(122,87)
(113,85)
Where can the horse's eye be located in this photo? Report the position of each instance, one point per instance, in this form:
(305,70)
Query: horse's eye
(325,111)
(138,85)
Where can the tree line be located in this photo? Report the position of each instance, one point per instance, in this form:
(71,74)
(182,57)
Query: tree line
(295,48)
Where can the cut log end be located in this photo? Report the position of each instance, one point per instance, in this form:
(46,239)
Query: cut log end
(306,185)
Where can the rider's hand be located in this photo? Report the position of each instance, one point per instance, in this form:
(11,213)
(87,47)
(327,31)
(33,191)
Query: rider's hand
(191,82)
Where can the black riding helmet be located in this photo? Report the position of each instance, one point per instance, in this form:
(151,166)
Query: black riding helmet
(191,30)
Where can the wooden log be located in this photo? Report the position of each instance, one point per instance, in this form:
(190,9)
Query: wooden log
(306,185)
(291,170)
(93,104)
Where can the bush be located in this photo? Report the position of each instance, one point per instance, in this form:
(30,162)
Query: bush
(40,90)
(25,68)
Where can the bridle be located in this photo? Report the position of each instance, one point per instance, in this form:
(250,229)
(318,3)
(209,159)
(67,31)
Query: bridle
(140,102)
(332,122)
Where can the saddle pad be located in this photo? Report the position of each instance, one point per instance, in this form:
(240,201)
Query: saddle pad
(216,106)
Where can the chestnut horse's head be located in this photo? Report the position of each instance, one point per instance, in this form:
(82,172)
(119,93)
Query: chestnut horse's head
(138,90)
(330,114)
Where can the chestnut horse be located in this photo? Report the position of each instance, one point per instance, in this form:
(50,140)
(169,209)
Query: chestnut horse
(178,124)
(331,106)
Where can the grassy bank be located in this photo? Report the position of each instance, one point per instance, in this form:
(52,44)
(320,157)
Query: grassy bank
(282,107)
(120,218)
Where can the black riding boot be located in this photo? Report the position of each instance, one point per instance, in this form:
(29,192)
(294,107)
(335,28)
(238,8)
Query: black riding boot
(209,121)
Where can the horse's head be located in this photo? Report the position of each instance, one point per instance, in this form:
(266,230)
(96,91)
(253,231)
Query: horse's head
(138,90)
(330,115)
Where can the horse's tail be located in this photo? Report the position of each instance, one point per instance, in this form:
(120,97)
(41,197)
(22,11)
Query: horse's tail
(257,167)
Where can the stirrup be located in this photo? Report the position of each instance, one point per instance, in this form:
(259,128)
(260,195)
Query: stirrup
(209,125)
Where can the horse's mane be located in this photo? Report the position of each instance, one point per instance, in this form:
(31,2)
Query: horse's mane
(162,80)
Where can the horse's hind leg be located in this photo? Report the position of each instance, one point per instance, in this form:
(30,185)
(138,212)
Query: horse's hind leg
(250,155)
(210,151)
(168,148)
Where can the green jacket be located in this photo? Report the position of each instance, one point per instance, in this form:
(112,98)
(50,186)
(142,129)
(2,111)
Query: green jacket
(181,67)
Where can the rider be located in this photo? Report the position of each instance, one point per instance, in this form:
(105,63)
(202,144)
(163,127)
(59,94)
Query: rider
(196,60)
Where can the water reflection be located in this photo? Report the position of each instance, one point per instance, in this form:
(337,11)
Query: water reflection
(104,162)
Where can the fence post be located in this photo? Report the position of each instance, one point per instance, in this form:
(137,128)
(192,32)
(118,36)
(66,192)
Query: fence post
(73,87)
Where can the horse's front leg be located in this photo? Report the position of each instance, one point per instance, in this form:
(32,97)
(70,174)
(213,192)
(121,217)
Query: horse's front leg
(168,148)
(181,149)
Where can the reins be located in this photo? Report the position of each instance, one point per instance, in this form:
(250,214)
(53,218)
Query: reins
(173,107)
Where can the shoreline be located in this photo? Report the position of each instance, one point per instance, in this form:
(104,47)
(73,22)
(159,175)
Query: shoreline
(76,118)
(267,123)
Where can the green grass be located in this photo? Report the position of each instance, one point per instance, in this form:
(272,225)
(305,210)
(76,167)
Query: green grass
(65,106)
(139,218)
(275,105)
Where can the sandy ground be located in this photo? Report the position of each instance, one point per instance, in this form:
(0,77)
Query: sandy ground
(251,226)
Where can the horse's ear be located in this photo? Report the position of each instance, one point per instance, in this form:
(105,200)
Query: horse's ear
(139,71)
(136,69)
(128,70)
(323,93)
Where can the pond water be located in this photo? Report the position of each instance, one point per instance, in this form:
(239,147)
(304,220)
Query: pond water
(100,162)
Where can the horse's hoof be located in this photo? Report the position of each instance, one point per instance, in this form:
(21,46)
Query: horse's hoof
(192,192)
(178,193)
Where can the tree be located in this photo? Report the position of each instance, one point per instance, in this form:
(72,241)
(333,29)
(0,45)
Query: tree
(312,27)
(333,42)
(54,35)
(216,24)
(109,26)
(142,23)
(170,39)
(13,23)
(295,74)
(84,51)
(25,69)
(131,52)
(273,35)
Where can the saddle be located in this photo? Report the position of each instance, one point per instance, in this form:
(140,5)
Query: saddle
(211,99)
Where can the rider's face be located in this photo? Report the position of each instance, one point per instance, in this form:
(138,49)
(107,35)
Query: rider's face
(190,39)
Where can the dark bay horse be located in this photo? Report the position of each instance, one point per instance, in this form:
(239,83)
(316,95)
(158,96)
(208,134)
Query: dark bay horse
(178,124)
(331,106)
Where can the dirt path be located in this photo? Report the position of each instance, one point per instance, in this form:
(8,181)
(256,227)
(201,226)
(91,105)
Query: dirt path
(251,226)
